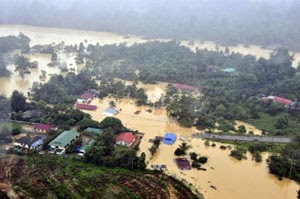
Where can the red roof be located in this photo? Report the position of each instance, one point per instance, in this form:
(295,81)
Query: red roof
(43,127)
(86,106)
(185,87)
(86,95)
(282,100)
(127,137)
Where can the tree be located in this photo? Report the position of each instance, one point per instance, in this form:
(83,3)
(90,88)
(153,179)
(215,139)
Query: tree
(114,123)
(193,156)
(184,147)
(107,140)
(53,57)
(282,122)
(242,129)
(141,165)
(18,102)
(83,124)
(202,160)
(22,64)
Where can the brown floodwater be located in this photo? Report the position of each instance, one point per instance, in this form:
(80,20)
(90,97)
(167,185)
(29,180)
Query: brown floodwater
(233,179)
(16,82)
(44,35)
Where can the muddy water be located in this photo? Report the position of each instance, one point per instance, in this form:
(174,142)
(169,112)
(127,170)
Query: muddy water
(42,35)
(153,91)
(257,51)
(248,127)
(15,82)
(233,179)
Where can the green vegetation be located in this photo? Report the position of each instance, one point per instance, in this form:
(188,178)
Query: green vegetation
(7,45)
(154,146)
(182,149)
(119,90)
(239,153)
(63,90)
(66,178)
(287,162)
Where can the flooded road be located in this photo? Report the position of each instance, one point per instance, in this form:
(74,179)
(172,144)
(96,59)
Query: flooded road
(233,179)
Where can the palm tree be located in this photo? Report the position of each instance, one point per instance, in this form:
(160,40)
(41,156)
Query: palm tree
(184,147)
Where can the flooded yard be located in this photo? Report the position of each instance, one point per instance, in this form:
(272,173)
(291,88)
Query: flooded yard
(232,178)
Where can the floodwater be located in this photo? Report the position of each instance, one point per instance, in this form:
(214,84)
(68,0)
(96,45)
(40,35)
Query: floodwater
(248,127)
(232,179)
(44,35)
(16,82)
(257,51)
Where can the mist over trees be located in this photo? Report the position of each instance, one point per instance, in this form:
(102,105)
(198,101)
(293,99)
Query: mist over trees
(265,22)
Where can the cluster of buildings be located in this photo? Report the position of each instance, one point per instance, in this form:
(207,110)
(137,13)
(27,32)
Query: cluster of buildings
(84,100)
(66,139)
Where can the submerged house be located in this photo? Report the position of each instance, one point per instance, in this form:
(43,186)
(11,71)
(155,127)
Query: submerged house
(63,141)
(125,139)
(27,142)
(169,138)
(86,97)
(109,112)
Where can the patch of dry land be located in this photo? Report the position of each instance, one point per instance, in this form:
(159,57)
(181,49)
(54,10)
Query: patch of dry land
(232,179)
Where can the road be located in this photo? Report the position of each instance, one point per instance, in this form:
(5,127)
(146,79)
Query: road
(243,138)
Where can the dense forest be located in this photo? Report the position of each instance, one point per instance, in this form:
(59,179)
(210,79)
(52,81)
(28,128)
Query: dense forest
(269,23)
(229,96)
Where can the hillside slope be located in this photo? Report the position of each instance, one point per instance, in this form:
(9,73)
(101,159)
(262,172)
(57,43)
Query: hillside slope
(53,177)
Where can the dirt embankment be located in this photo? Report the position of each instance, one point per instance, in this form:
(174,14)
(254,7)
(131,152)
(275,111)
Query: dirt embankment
(55,177)
(11,168)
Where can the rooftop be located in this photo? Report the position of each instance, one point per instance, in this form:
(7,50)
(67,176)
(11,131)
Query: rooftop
(64,138)
(93,130)
(86,107)
(127,137)
(86,95)
(229,70)
(45,127)
(185,87)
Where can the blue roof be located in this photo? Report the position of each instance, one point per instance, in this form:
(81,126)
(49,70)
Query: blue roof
(111,111)
(169,138)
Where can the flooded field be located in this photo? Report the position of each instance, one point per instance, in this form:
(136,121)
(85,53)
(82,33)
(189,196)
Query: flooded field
(232,179)
(44,35)
(257,51)
(15,82)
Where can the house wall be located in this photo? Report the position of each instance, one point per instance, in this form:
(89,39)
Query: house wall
(81,101)
(122,143)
